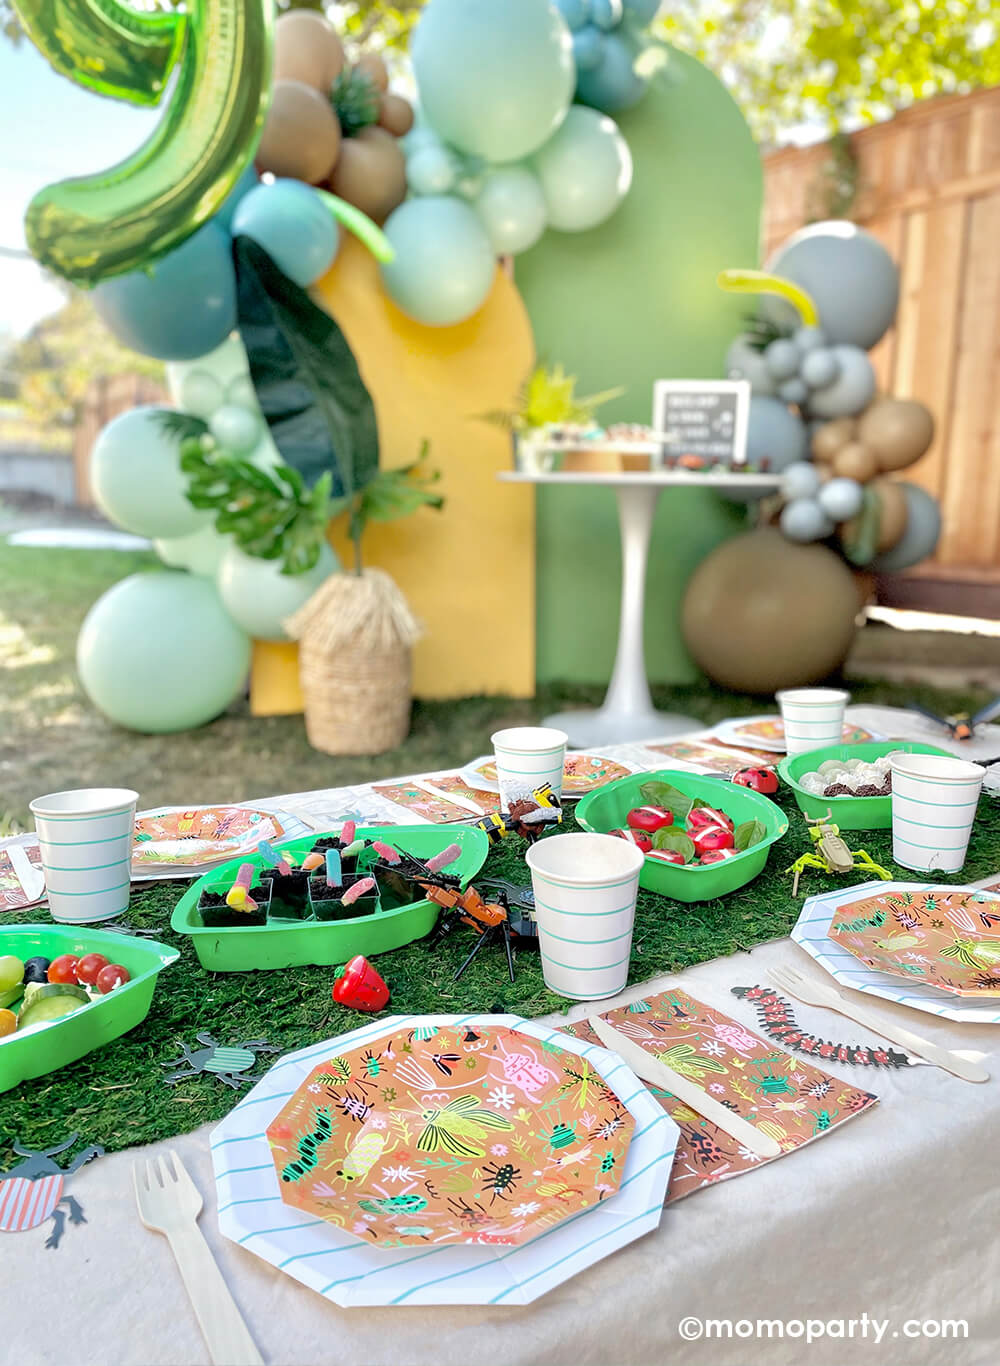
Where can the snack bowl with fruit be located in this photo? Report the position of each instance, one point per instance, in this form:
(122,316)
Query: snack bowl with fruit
(68,989)
(809,774)
(716,839)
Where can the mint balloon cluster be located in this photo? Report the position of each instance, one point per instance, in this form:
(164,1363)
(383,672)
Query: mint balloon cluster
(607,42)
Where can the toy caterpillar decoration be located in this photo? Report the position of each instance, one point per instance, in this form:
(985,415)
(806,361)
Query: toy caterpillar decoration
(775,1017)
(308,1148)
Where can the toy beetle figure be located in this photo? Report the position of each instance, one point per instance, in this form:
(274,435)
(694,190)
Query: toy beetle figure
(222,1061)
(831,854)
(763,780)
(32,1191)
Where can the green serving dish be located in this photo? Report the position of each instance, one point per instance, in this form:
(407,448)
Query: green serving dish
(300,943)
(607,808)
(850,813)
(45,1047)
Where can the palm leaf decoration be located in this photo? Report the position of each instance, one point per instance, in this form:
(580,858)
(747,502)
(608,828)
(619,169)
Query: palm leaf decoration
(548,397)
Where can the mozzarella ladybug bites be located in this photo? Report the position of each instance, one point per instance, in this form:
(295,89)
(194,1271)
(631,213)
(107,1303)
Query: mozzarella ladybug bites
(702,817)
(637,837)
(666,856)
(763,780)
(649,818)
(715,855)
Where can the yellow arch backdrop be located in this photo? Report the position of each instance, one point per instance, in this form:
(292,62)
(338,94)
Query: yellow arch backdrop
(469,570)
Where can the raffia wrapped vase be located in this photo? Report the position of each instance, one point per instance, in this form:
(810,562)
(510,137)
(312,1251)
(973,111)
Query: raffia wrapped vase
(356,635)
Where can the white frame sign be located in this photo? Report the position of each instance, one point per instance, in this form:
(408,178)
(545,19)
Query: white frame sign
(685,411)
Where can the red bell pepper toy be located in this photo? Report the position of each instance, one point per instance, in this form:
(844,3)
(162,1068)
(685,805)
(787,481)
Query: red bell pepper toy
(360,987)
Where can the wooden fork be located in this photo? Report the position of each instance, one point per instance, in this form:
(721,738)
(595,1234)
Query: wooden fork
(169,1202)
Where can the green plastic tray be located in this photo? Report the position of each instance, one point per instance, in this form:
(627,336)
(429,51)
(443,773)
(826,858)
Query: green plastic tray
(850,813)
(42,1050)
(324,943)
(607,808)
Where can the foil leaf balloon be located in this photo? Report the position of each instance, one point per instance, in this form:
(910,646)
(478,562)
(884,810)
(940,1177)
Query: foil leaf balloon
(115,221)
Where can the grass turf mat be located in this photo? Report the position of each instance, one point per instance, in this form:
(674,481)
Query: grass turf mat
(116,1096)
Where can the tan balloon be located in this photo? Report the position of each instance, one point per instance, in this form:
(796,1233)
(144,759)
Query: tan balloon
(741,599)
(898,430)
(893,513)
(373,65)
(371,173)
(831,436)
(301,135)
(395,115)
(855,461)
(307,49)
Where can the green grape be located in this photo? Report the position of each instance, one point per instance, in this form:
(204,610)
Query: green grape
(11,972)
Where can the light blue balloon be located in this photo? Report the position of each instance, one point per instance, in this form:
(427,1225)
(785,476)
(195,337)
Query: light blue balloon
(444,265)
(293,225)
(793,390)
(431,170)
(260,598)
(158,653)
(809,338)
(494,78)
(200,552)
(744,361)
(920,538)
(511,206)
(782,358)
(136,476)
(819,367)
(774,434)
(248,181)
(841,499)
(236,428)
(588,45)
(613,84)
(804,520)
(606,14)
(575,12)
(851,391)
(585,170)
(800,480)
(183,307)
(641,12)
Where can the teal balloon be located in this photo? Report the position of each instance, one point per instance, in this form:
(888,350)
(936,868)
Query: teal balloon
(495,79)
(431,170)
(199,553)
(136,476)
(575,12)
(199,392)
(641,12)
(588,44)
(606,14)
(613,83)
(159,653)
(444,264)
(293,225)
(259,598)
(236,428)
(511,206)
(585,171)
(248,181)
(182,307)
(920,538)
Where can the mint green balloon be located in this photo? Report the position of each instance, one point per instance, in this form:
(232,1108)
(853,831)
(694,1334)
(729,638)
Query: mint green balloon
(236,428)
(585,170)
(259,597)
(199,553)
(511,206)
(444,265)
(136,476)
(158,653)
(495,77)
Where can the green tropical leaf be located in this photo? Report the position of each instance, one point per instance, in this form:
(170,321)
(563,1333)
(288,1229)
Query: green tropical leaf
(748,834)
(669,797)
(676,841)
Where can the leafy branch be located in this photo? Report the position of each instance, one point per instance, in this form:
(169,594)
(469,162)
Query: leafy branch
(388,494)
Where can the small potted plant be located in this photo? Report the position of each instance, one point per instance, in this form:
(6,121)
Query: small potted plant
(549,414)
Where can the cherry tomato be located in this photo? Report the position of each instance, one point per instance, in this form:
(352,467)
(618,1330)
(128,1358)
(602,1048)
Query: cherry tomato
(763,780)
(114,975)
(637,837)
(649,818)
(89,966)
(711,838)
(666,856)
(715,855)
(63,968)
(8,1023)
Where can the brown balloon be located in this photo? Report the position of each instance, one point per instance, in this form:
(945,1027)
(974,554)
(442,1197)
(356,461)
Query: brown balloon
(831,436)
(395,115)
(375,68)
(855,461)
(301,135)
(371,173)
(898,430)
(762,612)
(893,513)
(307,49)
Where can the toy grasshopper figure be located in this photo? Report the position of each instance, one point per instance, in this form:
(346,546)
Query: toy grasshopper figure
(831,854)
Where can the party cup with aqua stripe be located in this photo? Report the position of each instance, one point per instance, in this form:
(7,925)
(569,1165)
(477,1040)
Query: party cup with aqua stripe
(585,888)
(934,801)
(813,717)
(85,839)
(527,758)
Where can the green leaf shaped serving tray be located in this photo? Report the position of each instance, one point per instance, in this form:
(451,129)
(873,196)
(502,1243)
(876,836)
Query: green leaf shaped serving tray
(323,943)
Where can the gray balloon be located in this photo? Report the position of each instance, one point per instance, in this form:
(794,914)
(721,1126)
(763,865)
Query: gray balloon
(800,480)
(850,276)
(744,361)
(852,390)
(820,367)
(783,357)
(804,520)
(923,530)
(775,437)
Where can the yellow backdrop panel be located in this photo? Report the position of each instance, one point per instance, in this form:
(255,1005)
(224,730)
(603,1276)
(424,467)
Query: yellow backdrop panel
(468,570)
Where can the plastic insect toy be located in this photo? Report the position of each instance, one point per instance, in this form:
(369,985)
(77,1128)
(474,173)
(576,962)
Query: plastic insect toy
(224,1062)
(32,1191)
(529,817)
(961,725)
(831,854)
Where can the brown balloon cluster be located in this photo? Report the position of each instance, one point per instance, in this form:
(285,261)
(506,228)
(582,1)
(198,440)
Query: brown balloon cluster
(890,435)
(333,123)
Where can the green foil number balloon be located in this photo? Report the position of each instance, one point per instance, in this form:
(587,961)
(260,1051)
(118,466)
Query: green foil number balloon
(93,227)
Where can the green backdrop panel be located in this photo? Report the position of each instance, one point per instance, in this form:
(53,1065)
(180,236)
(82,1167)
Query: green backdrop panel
(628,303)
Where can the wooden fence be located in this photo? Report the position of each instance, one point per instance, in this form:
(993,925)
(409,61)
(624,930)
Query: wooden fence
(106,398)
(929,188)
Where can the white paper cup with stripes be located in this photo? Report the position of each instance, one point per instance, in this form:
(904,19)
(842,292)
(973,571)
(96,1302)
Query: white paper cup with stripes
(813,717)
(86,845)
(585,888)
(527,758)
(934,801)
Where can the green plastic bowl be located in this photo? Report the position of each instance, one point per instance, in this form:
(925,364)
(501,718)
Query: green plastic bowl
(607,808)
(850,813)
(43,1049)
(323,943)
